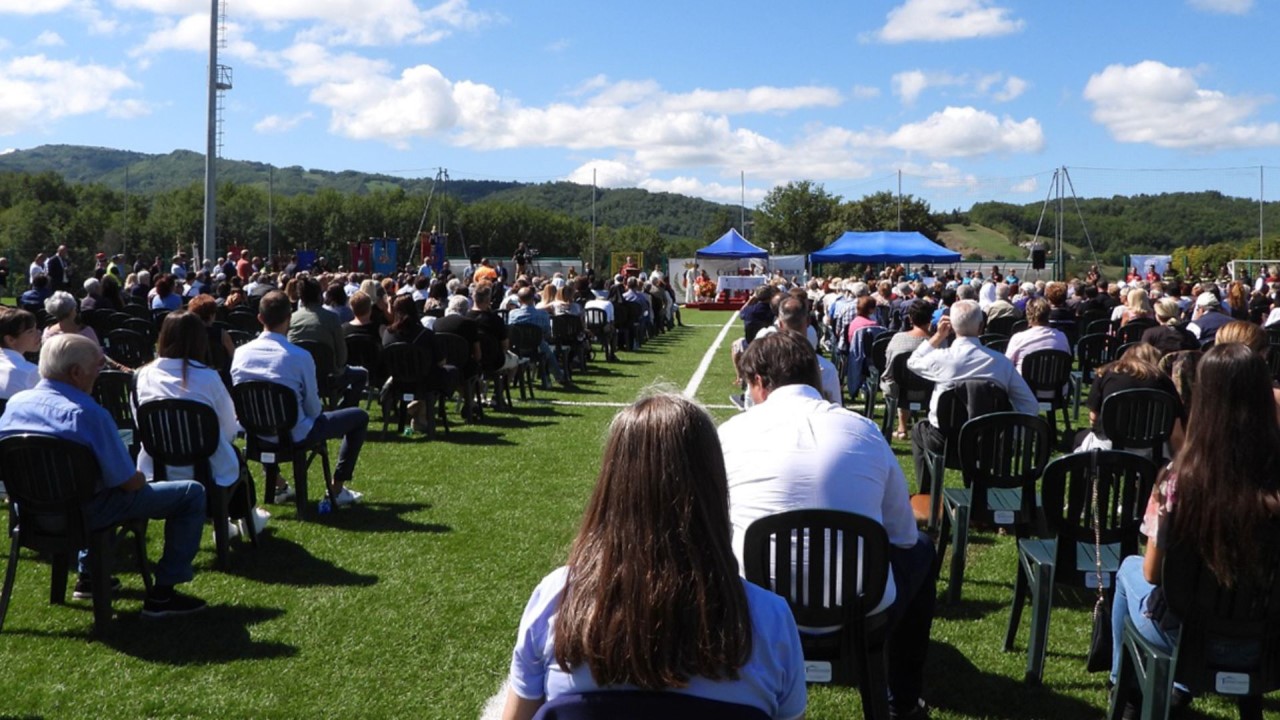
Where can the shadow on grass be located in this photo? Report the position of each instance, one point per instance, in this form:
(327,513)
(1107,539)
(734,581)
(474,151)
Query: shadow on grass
(217,635)
(968,609)
(458,435)
(382,517)
(958,686)
(284,562)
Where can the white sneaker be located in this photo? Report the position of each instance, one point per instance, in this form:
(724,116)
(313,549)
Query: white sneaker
(260,517)
(284,494)
(347,496)
(233,530)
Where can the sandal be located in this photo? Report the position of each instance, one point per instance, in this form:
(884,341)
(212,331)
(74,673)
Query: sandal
(900,435)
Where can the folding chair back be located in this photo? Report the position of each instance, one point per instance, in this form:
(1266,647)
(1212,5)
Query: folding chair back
(1132,331)
(114,391)
(322,357)
(266,410)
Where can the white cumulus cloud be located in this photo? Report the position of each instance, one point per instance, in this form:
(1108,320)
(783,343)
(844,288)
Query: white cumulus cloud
(1229,7)
(280,123)
(910,84)
(607,173)
(35,90)
(49,38)
(355,22)
(1029,185)
(865,92)
(965,132)
(1013,87)
(940,20)
(34,7)
(1153,103)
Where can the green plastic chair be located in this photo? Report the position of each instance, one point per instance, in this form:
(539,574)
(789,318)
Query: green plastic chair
(1066,554)
(1002,455)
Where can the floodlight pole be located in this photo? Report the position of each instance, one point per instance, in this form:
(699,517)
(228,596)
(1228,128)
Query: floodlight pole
(211,137)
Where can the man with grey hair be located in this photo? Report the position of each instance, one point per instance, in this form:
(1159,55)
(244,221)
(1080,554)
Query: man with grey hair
(946,367)
(1002,307)
(60,405)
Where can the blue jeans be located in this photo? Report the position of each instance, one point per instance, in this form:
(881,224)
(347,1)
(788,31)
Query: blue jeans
(915,578)
(348,424)
(180,503)
(1132,591)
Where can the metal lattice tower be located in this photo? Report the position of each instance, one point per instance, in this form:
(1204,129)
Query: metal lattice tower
(223,82)
(219,83)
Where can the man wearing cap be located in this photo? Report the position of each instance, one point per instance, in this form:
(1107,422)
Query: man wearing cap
(1207,318)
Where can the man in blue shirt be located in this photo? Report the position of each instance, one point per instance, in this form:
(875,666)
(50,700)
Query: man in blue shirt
(527,314)
(272,358)
(60,405)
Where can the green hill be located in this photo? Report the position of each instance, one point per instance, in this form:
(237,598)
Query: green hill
(672,214)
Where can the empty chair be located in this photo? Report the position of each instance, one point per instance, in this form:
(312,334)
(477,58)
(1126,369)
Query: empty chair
(114,391)
(875,369)
(956,406)
(1002,456)
(526,343)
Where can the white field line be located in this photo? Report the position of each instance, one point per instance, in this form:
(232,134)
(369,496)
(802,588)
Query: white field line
(696,381)
(600,403)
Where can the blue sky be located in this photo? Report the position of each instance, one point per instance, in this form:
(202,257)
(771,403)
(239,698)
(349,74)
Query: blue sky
(970,99)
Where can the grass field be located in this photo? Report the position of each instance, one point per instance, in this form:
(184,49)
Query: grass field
(407,606)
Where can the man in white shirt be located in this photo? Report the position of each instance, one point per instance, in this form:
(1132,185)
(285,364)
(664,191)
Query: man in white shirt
(600,301)
(272,358)
(946,367)
(794,450)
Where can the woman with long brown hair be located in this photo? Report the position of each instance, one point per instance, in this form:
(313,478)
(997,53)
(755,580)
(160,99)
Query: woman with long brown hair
(651,597)
(1219,494)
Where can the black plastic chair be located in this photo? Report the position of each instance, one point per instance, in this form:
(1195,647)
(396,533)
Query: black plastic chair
(526,343)
(1048,374)
(999,343)
(1002,325)
(327,383)
(823,592)
(456,351)
(1065,555)
(567,336)
(643,705)
(597,323)
(240,337)
(244,321)
(914,393)
(1131,332)
(1092,351)
(876,369)
(49,480)
(1244,618)
(492,359)
(144,328)
(405,366)
(1002,456)
(1101,326)
(365,351)
(181,433)
(114,391)
(129,348)
(1140,420)
(266,410)
(1018,326)
(627,318)
(136,308)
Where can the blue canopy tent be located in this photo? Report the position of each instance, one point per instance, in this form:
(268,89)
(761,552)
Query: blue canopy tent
(732,245)
(883,247)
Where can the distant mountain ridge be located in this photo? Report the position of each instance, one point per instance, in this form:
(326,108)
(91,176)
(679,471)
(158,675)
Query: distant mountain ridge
(672,214)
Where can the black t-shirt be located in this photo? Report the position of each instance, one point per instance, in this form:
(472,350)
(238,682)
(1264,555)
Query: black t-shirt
(459,325)
(490,323)
(1170,338)
(1114,382)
